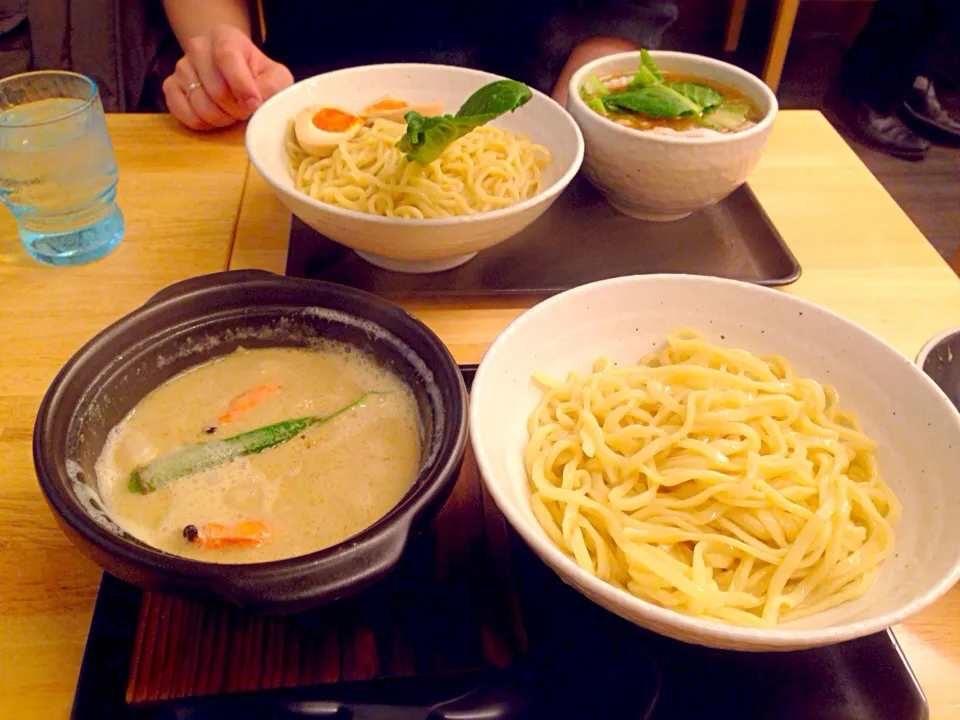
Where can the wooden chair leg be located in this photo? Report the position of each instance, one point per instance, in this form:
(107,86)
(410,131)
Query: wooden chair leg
(257,21)
(955,263)
(734,25)
(782,30)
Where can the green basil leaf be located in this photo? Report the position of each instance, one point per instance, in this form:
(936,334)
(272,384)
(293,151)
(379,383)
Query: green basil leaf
(721,119)
(593,87)
(496,98)
(743,108)
(427,137)
(656,101)
(705,97)
(647,75)
(596,103)
(647,62)
(728,116)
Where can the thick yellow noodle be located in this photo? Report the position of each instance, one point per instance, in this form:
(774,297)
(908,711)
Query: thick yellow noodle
(712,482)
(487,169)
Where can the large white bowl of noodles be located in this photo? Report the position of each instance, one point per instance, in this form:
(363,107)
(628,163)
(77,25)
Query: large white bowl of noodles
(408,244)
(916,428)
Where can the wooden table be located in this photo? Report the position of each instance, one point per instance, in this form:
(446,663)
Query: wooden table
(193,205)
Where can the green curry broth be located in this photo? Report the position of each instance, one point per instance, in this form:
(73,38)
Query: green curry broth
(640,121)
(316,490)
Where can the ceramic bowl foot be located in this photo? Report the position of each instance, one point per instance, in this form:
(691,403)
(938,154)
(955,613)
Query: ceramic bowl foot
(416,266)
(651,216)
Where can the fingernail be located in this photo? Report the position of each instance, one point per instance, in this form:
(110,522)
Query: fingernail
(251,103)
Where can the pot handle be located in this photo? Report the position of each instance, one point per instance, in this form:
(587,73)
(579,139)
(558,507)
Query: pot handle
(206,282)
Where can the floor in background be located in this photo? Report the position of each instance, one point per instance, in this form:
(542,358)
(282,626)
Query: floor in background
(928,191)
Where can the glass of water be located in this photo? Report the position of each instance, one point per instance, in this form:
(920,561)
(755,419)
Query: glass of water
(57,170)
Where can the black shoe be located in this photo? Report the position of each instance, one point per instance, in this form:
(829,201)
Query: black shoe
(886,132)
(924,112)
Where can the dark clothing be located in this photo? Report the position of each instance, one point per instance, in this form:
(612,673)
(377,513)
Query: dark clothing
(528,40)
(128,48)
(895,47)
(12,13)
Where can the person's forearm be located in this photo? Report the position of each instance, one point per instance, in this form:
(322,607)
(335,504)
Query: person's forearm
(588,50)
(190,18)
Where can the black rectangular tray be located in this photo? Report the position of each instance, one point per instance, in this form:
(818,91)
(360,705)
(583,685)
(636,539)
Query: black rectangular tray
(579,240)
(620,670)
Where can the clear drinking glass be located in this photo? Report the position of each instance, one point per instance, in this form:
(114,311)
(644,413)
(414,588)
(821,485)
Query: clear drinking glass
(57,170)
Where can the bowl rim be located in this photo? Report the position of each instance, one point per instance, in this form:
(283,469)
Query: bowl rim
(395,523)
(576,80)
(930,345)
(548,193)
(692,628)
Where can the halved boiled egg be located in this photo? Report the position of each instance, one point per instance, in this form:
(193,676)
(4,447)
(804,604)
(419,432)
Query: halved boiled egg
(392,109)
(320,128)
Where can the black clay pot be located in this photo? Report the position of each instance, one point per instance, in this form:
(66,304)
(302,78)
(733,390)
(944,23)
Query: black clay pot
(191,322)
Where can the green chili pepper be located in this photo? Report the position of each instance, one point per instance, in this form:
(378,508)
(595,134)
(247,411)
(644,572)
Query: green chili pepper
(194,458)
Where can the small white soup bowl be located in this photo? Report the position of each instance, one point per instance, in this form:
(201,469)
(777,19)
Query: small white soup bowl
(402,244)
(665,177)
(916,427)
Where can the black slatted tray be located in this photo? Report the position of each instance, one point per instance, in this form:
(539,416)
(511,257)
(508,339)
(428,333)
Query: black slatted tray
(580,239)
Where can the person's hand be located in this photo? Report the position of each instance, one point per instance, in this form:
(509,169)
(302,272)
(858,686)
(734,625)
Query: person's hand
(222,78)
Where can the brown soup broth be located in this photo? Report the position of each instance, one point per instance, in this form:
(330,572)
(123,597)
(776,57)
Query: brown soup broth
(640,121)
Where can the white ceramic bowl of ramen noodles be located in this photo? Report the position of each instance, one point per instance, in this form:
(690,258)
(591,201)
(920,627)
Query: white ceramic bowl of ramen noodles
(664,175)
(914,425)
(411,244)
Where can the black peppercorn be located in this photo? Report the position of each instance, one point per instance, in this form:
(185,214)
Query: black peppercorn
(191,533)
(210,429)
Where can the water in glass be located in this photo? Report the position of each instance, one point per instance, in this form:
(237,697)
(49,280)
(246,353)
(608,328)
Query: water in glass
(57,169)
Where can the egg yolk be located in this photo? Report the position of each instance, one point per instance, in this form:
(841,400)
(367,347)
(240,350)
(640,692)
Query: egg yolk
(333,120)
(387,104)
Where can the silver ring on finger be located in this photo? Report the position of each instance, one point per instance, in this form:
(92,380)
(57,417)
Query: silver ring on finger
(191,87)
